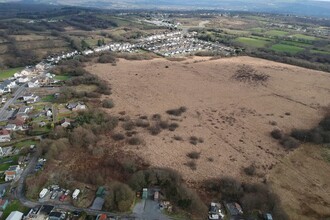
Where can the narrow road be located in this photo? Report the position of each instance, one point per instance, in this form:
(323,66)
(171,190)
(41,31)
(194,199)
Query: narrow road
(17,93)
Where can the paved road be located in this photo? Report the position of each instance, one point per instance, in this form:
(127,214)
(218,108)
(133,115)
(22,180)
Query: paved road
(18,92)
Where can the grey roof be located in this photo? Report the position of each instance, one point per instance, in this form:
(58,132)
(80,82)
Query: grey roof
(98,203)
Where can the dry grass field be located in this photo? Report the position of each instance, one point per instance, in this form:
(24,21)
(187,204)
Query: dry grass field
(234,118)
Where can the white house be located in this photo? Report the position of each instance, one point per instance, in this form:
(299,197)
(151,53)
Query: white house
(22,80)
(12,172)
(33,84)
(30,98)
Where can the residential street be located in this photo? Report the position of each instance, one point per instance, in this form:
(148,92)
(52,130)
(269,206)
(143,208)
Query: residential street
(18,92)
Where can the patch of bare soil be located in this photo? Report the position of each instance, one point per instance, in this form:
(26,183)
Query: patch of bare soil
(233,118)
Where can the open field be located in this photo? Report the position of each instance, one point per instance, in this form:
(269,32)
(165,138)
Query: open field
(234,123)
(320,51)
(304,37)
(277,33)
(9,73)
(287,48)
(233,118)
(253,42)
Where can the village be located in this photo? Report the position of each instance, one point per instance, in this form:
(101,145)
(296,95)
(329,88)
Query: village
(168,44)
(27,108)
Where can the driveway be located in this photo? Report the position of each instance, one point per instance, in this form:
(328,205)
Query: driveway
(149,210)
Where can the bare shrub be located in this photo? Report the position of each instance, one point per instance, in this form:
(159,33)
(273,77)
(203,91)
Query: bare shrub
(163,124)
(210,159)
(118,137)
(201,140)
(155,129)
(191,164)
(142,123)
(250,170)
(128,125)
(107,103)
(247,74)
(130,133)
(325,123)
(276,134)
(143,117)
(193,140)
(194,155)
(289,142)
(107,58)
(177,138)
(274,123)
(230,189)
(173,126)
(156,117)
(135,141)
(177,112)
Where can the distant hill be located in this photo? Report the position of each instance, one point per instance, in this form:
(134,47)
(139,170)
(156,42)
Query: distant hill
(299,7)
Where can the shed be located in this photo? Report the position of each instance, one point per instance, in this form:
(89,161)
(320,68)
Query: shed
(145,193)
(100,191)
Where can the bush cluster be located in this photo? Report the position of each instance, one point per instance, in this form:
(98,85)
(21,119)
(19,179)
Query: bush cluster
(177,112)
(107,103)
(250,196)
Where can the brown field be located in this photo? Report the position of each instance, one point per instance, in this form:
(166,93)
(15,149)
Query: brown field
(232,117)
(302,182)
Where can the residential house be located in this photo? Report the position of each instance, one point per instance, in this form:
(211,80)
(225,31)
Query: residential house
(4,89)
(33,84)
(9,83)
(65,122)
(4,135)
(11,127)
(76,106)
(11,172)
(25,109)
(18,123)
(3,204)
(31,98)
(22,80)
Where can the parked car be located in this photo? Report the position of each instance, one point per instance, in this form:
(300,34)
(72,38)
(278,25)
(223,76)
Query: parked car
(63,197)
(215,212)
(54,195)
(67,192)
